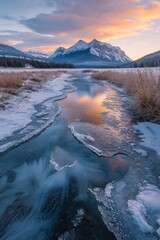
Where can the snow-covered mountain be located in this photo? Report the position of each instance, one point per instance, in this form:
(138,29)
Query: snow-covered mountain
(8,51)
(37,55)
(59,51)
(82,54)
(92,54)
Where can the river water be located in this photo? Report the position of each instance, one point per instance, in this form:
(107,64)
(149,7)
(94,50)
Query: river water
(50,183)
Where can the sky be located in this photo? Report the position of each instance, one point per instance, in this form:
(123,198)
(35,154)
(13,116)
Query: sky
(44,25)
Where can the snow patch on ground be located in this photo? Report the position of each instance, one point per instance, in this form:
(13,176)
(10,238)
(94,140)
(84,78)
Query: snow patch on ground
(150,135)
(138,213)
(145,209)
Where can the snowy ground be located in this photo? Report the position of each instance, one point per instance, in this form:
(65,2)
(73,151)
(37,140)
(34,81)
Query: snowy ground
(145,209)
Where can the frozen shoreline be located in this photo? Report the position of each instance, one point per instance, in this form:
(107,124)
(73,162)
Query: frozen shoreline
(28,114)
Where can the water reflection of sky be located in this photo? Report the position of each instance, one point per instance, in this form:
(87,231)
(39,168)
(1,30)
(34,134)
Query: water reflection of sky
(97,110)
(86,107)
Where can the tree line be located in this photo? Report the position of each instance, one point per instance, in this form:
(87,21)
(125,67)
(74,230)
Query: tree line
(23,62)
(144,62)
(153,62)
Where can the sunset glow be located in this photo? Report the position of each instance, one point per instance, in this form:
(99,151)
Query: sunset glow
(44,25)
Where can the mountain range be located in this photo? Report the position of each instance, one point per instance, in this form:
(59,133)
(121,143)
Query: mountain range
(92,54)
(83,54)
(9,51)
(37,55)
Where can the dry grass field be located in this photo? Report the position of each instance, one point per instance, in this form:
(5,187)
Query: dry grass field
(142,86)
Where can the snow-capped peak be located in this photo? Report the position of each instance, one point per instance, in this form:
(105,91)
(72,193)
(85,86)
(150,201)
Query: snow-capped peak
(95,42)
(59,51)
(37,54)
(80,45)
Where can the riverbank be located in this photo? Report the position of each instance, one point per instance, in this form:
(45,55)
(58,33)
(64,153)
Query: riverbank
(143,85)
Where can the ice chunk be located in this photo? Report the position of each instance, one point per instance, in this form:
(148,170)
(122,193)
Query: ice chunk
(61,159)
(86,140)
(108,189)
(138,213)
(78,218)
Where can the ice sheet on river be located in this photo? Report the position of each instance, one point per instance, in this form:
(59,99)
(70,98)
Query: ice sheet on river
(101,139)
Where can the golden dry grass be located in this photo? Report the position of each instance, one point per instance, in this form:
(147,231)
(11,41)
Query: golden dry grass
(142,86)
(12,80)
(16,79)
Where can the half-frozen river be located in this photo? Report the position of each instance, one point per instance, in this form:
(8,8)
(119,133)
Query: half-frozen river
(76,169)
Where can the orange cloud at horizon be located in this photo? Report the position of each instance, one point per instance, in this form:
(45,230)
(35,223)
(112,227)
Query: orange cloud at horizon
(126,23)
